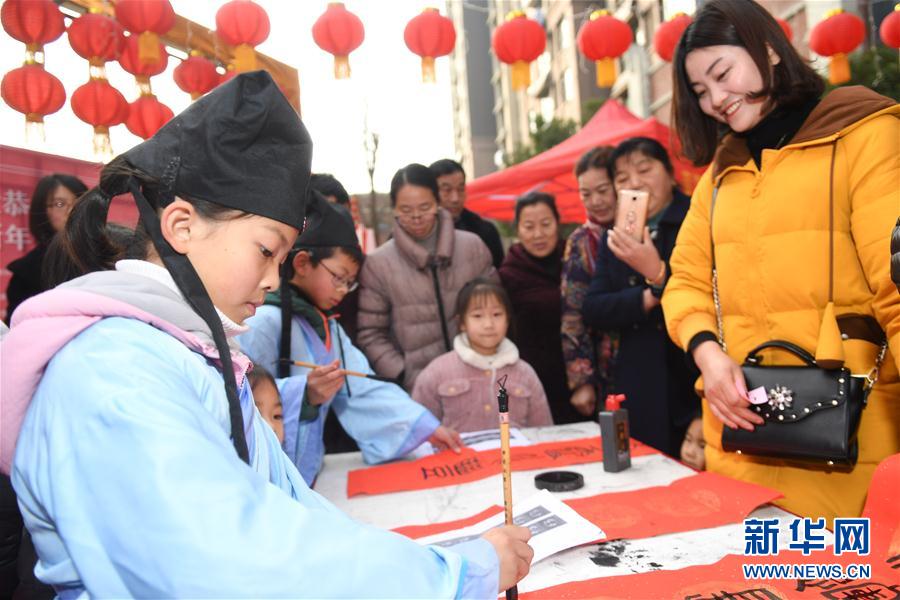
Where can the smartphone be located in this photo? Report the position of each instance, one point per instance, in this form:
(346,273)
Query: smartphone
(631,213)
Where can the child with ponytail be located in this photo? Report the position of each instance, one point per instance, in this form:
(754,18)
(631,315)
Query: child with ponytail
(141,465)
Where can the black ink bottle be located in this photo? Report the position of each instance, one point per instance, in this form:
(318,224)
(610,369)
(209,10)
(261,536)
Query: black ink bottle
(614,435)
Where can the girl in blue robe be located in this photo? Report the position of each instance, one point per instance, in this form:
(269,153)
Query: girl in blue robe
(137,471)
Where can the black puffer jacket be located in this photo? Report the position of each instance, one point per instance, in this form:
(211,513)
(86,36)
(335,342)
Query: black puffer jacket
(895,255)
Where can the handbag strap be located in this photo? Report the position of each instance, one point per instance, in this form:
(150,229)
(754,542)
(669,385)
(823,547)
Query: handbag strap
(872,376)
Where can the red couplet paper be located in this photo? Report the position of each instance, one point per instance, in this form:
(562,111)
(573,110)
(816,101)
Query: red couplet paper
(725,580)
(419,531)
(449,468)
(699,501)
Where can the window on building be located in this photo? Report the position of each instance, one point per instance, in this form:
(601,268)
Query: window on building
(548,108)
(566,33)
(568,85)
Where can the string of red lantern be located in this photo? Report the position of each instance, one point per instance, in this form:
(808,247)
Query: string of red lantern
(148,19)
(243,24)
(339,32)
(30,89)
(604,38)
(669,34)
(836,36)
(429,35)
(196,75)
(146,114)
(34,23)
(518,42)
(890,28)
(99,39)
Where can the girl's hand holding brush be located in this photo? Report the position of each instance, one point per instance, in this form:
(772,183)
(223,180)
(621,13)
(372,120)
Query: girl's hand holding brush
(322,383)
(514,554)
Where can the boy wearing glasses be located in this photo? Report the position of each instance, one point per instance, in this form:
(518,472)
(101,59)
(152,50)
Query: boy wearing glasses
(297,324)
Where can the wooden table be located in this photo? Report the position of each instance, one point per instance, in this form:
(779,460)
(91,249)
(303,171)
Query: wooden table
(622,557)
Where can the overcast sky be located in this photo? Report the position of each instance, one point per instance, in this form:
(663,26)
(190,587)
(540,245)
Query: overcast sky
(413,119)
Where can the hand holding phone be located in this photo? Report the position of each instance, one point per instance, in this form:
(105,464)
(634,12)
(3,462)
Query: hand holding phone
(631,213)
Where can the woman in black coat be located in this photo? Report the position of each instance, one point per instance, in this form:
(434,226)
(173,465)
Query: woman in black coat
(531,274)
(52,199)
(624,296)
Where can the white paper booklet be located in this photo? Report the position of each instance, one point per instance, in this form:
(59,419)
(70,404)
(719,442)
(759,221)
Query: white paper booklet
(554,527)
(487,439)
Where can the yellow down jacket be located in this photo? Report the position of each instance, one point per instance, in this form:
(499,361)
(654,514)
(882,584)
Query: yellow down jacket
(771,232)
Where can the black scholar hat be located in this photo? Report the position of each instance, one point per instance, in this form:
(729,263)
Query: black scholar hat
(242,146)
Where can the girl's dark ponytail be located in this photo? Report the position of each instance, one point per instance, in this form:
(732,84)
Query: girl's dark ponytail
(84,244)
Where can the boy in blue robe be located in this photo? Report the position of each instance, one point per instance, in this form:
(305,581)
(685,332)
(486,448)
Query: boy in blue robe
(297,324)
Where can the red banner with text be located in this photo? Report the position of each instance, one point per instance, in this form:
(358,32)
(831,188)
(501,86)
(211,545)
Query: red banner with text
(449,468)
(20,170)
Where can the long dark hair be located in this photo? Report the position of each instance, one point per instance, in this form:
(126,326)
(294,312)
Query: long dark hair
(746,24)
(38,222)
(414,174)
(86,242)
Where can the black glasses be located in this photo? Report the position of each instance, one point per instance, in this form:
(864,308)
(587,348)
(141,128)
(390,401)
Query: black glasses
(341,282)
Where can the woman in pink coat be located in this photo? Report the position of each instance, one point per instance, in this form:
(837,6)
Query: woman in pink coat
(460,387)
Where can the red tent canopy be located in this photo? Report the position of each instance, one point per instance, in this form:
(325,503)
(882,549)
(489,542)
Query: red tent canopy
(493,196)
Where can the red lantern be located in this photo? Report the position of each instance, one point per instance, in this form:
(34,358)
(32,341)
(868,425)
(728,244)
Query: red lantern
(430,35)
(517,42)
(668,35)
(242,24)
(196,75)
(149,19)
(146,115)
(890,28)
(604,38)
(32,22)
(786,28)
(97,38)
(142,71)
(339,32)
(34,92)
(836,36)
(99,104)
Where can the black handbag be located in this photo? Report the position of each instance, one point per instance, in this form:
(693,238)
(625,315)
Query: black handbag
(812,414)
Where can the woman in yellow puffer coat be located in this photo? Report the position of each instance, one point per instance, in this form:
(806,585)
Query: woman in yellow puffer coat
(786,155)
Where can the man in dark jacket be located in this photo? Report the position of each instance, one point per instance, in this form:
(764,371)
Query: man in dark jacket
(452,188)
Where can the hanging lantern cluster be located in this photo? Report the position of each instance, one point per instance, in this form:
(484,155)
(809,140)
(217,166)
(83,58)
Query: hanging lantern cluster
(836,36)
(147,19)
(518,42)
(890,28)
(243,24)
(146,114)
(430,35)
(30,89)
(99,39)
(669,34)
(339,32)
(604,38)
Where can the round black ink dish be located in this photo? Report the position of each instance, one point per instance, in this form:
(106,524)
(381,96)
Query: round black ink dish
(559,481)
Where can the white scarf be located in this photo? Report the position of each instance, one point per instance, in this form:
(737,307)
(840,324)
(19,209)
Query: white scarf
(507,354)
